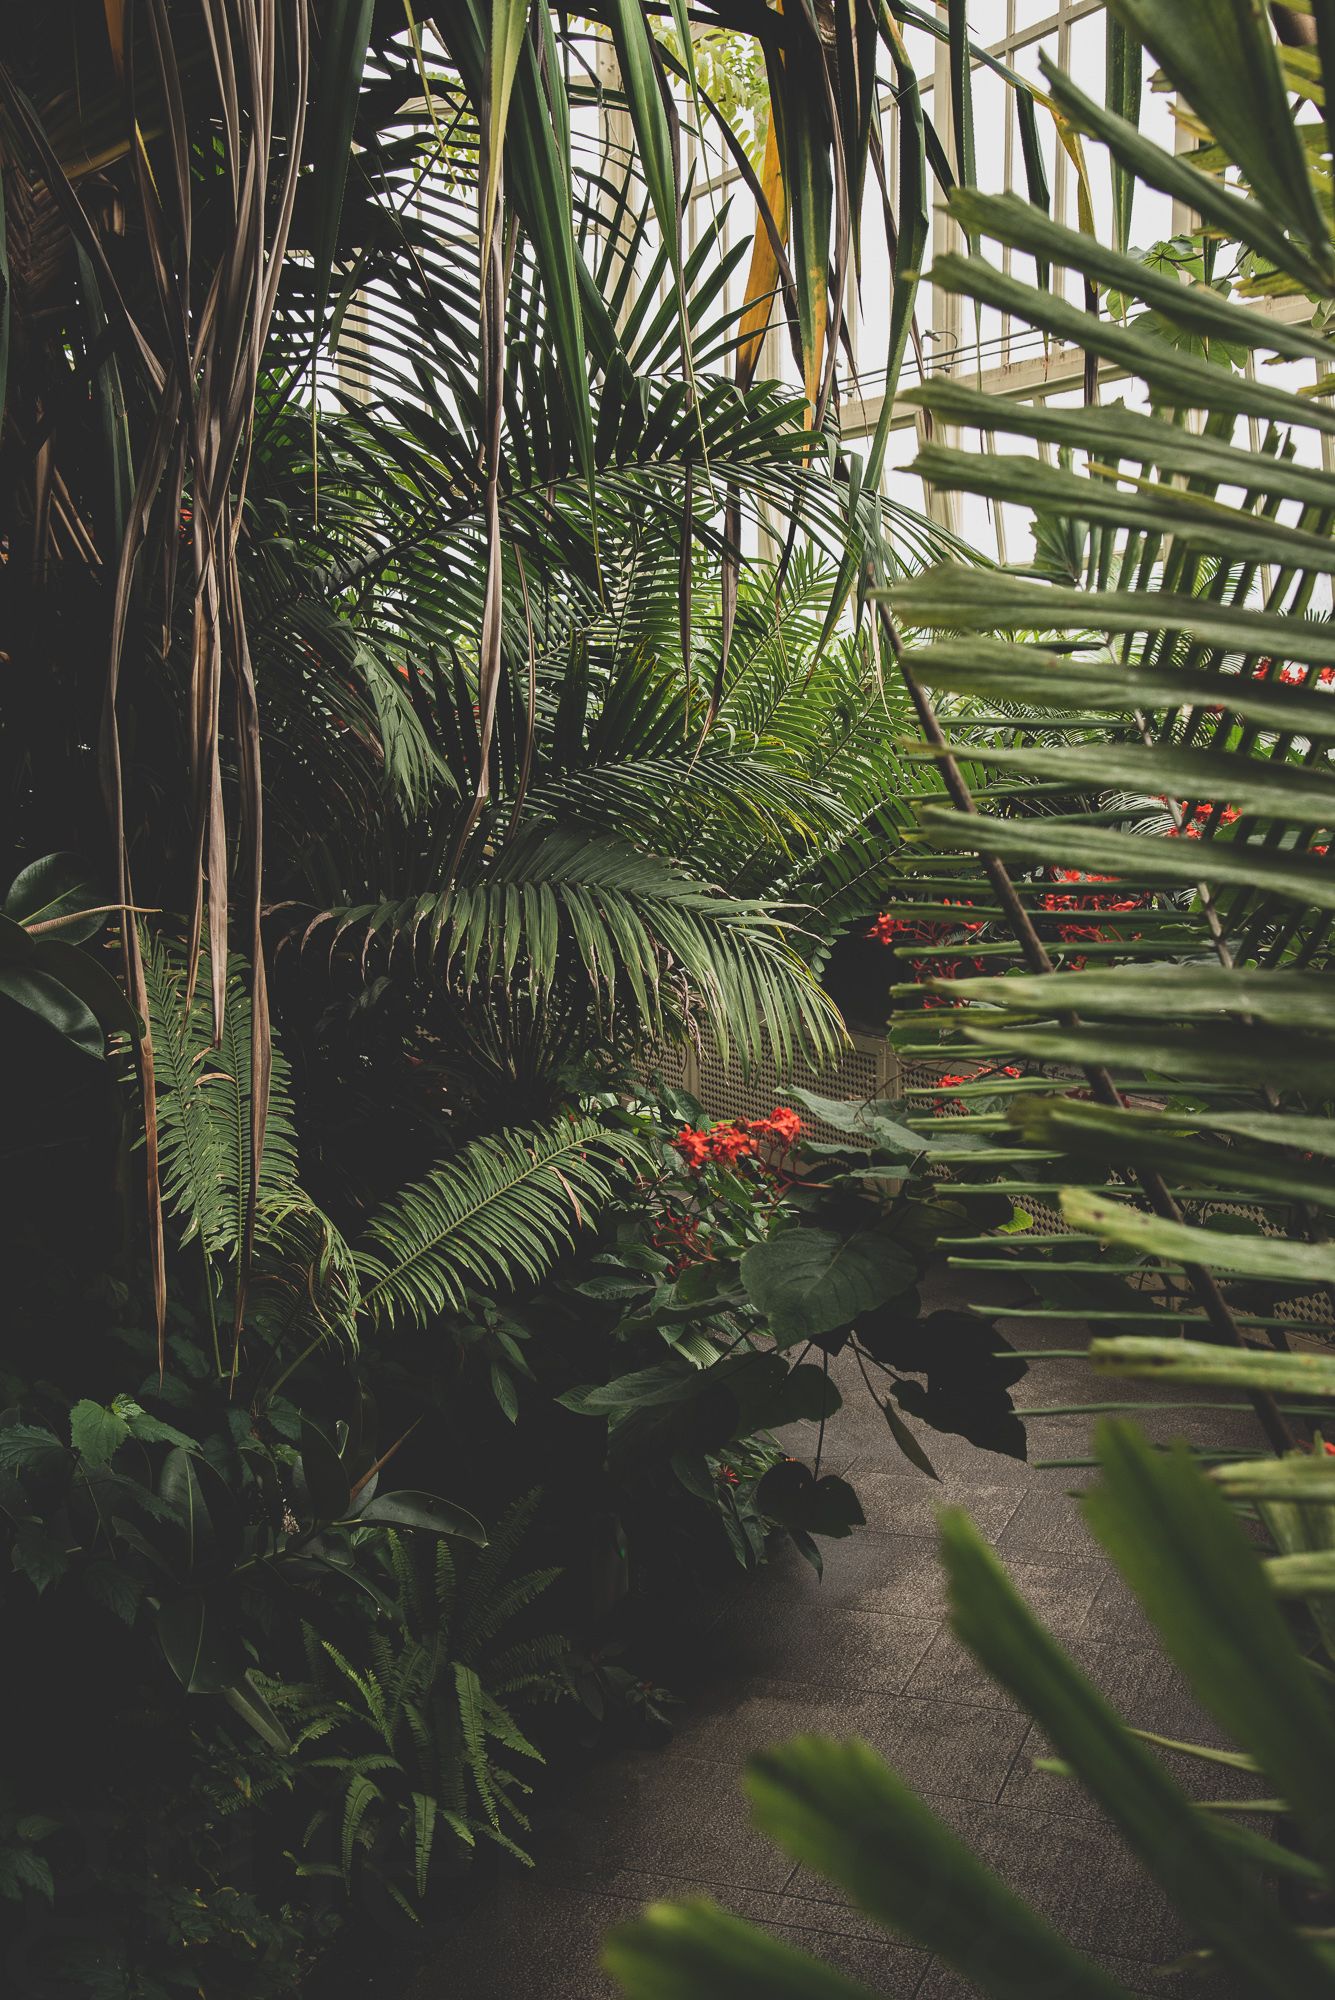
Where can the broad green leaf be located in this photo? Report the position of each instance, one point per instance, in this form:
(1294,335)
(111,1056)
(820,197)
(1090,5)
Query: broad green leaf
(836,1808)
(641,79)
(325,1475)
(1018,223)
(1252,785)
(1122,85)
(1208,1363)
(203,1651)
(89,980)
(1175,376)
(1234,216)
(1217,1895)
(96,1431)
(791,1494)
(244,1696)
(1176,1541)
(1298,1476)
(810,1281)
(907,1442)
(1221,55)
(425,1511)
(1304,1573)
(1286,1000)
(56,890)
(42,994)
(870,1122)
(1137,857)
(695,1951)
(1198,1050)
(509,18)
(345,31)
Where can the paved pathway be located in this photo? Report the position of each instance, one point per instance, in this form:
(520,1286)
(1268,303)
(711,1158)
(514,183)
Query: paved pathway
(867,1652)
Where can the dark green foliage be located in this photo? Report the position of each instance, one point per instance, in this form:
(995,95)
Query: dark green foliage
(409,1753)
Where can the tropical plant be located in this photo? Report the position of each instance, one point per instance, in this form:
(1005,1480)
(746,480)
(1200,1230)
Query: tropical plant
(373,551)
(50,910)
(1157,910)
(328,526)
(764,1257)
(497,1213)
(417,1741)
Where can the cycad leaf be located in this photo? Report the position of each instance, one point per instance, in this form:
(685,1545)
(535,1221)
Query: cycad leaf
(496,1214)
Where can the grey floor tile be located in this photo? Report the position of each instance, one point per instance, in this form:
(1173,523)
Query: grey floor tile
(1048,1520)
(893,1971)
(1076,1874)
(963,1749)
(908,1503)
(1116,1615)
(948,1670)
(528,1943)
(764,1643)
(1060,1589)
(668,1813)
(1144,1981)
(1048,1794)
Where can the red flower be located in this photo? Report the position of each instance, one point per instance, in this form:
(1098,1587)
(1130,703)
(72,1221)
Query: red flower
(729,1143)
(693,1146)
(782,1124)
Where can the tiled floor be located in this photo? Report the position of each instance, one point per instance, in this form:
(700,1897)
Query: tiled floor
(867,1652)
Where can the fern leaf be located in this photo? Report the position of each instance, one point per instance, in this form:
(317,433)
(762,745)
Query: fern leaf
(502,1725)
(472,1725)
(424,1830)
(361,1795)
(509,1602)
(500,1211)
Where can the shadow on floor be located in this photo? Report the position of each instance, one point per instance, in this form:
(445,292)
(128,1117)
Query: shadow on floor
(867,1652)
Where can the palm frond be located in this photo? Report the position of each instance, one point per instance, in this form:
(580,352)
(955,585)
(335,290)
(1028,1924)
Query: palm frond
(1165,798)
(498,1212)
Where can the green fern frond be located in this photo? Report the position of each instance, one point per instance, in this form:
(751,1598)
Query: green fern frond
(424,1829)
(472,1724)
(362,1793)
(304,1278)
(486,1567)
(627,928)
(204,1102)
(509,1602)
(501,1724)
(500,1211)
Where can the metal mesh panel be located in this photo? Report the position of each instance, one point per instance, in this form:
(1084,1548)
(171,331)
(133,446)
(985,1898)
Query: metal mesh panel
(725,1090)
(728,1092)
(1310,1314)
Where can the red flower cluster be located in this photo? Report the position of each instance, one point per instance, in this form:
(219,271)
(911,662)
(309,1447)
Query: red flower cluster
(1295,675)
(945,1105)
(739,1139)
(887,930)
(1194,826)
(1084,898)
